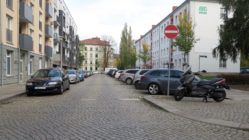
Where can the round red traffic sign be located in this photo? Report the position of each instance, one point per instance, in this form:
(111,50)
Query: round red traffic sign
(171,31)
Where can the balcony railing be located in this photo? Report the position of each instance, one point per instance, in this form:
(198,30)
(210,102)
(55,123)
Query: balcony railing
(49,11)
(56,38)
(56,21)
(9,35)
(26,13)
(49,31)
(26,42)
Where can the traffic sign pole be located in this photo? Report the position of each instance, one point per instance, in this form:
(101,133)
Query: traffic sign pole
(171,32)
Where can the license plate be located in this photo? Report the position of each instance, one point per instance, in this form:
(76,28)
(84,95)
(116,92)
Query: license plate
(40,87)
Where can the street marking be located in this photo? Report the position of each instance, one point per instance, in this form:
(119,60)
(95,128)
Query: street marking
(88,99)
(130,99)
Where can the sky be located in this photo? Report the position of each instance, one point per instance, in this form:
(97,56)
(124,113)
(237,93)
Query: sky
(96,18)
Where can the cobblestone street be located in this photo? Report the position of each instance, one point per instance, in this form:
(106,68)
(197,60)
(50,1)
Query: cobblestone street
(101,108)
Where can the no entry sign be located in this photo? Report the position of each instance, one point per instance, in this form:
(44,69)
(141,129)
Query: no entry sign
(171,31)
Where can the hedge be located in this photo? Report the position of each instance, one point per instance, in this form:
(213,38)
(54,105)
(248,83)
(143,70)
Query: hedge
(235,79)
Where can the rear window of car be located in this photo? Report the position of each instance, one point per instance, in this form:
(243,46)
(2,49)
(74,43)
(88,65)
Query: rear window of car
(142,72)
(157,73)
(132,71)
(176,74)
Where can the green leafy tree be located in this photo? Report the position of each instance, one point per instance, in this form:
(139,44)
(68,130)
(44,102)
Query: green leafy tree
(234,35)
(81,55)
(127,50)
(145,54)
(185,40)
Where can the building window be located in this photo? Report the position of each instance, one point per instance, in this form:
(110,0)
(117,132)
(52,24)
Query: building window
(96,68)
(40,21)
(40,3)
(40,44)
(40,63)
(91,68)
(96,49)
(85,68)
(223,63)
(91,49)
(96,55)
(85,48)
(8,63)
(9,29)
(9,4)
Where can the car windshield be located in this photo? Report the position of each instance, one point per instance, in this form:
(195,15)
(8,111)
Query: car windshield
(71,72)
(46,73)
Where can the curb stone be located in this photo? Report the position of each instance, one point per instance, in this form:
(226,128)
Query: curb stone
(175,111)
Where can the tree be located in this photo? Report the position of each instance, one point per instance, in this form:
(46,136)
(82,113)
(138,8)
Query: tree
(145,54)
(127,50)
(81,55)
(185,40)
(234,35)
(107,50)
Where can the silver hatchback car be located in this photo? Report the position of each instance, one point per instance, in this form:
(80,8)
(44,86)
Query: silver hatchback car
(128,76)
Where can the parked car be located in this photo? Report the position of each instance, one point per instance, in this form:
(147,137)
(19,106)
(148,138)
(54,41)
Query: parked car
(138,76)
(81,75)
(117,74)
(156,81)
(111,72)
(48,80)
(128,75)
(73,76)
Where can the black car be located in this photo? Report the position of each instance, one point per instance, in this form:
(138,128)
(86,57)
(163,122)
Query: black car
(48,80)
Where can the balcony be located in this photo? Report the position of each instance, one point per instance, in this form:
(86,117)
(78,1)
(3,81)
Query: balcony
(49,11)
(56,21)
(48,51)
(9,36)
(56,38)
(49,31)
(26,42)
(26,13)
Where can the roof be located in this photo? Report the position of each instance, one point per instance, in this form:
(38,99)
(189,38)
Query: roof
(95,41)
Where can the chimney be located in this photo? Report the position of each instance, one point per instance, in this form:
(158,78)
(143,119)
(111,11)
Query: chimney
(173,8)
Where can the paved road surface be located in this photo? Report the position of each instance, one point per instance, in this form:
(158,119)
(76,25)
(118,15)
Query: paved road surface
(101,108)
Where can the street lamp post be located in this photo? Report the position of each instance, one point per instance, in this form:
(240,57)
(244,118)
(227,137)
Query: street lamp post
(201,56)
(61,52)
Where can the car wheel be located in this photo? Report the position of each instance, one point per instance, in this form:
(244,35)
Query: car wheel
(153,89)
(61,89)
(29,93)
(128,81)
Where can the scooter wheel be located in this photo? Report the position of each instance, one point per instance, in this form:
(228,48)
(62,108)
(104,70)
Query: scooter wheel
(179,95)
(220,96)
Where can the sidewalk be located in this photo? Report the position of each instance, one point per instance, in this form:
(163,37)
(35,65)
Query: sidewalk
(10,91)
(233,112)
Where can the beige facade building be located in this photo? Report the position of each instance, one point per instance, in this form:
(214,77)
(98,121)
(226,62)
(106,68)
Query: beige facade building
(94,50)
(26,38)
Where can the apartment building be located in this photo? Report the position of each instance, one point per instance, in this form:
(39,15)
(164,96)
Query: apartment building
(66,40)
(206,16)
(26,38)
(94,54)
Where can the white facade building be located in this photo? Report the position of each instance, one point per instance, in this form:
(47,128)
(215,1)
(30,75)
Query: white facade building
(206,18)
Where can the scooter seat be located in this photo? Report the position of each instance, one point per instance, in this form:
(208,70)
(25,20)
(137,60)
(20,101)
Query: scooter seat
(208,82)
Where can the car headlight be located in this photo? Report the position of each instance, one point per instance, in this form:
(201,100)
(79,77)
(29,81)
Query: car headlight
(52,83)
(29,84)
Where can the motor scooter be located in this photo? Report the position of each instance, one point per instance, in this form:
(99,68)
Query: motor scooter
(193,86)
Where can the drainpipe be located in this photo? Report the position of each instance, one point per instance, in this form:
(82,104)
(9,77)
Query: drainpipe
(1,45)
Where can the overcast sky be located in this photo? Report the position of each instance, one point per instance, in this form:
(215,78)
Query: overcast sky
(96,18)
